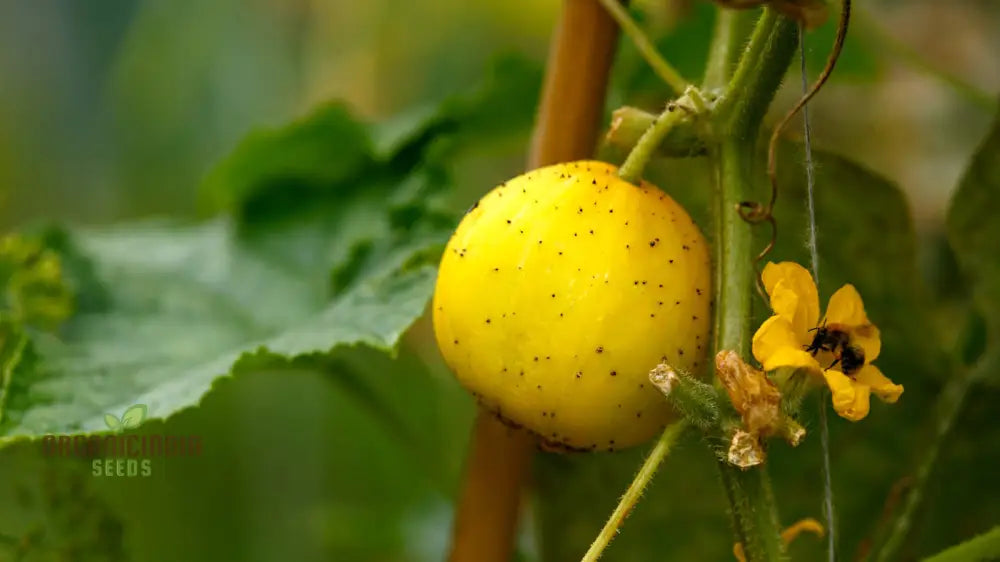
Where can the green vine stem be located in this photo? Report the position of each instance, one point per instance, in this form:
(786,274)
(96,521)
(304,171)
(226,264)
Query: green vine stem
(660,66)
(751,502)
(635,489)
(738,118)
(949,404)
(732,27)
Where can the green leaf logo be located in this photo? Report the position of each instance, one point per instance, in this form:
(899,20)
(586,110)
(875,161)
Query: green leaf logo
(131,419)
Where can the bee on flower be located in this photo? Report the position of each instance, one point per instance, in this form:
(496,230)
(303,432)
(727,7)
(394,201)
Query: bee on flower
(840,348)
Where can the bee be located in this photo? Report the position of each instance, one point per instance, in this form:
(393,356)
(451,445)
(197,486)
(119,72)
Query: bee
(838,342)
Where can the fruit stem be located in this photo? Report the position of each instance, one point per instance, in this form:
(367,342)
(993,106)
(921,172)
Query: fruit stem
(635,489)
(486,520)
(649,142)
(646,48)
(569,118)
(738,119)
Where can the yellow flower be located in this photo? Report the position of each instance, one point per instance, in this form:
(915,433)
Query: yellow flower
(787,339)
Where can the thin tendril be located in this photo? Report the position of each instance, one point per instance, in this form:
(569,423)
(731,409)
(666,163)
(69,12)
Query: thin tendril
(831,62)
(754,212)
(810,167)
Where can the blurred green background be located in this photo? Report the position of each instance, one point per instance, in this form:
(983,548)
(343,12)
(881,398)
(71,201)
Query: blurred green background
(113,110)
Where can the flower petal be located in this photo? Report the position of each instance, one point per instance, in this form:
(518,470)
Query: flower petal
(785,301)
(847,309)
(880,385)
(776,345)
(868,337)
(790,276)
(850,400)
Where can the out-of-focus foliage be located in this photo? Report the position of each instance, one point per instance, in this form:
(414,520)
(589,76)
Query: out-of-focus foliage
(326,446)
(984,547)
(974,230)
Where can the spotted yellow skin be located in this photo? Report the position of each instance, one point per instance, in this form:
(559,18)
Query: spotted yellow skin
(557,294)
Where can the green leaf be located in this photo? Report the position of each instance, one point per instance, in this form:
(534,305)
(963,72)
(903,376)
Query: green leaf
(134,416)
(12,350)
(35,292)
(983,548)
(112,422)
(193,301)
(504,103)
(318,151)
(973,229)
(329,248)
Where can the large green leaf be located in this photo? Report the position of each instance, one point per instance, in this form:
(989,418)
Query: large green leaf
(973,229)
(328,249)
(323,149)
(188,304)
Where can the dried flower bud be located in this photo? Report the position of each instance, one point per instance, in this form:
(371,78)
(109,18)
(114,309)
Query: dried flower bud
(745,450)
(695,400)
(756,399)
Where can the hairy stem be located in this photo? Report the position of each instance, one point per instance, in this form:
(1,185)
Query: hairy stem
(738,119)
(569,116)
(758,74)
(751,502)
(635,489)
(731,30)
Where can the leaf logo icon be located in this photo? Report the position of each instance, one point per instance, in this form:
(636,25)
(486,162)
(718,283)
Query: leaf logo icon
(131,419)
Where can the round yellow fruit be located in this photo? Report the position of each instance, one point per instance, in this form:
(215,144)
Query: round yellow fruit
(557,294)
